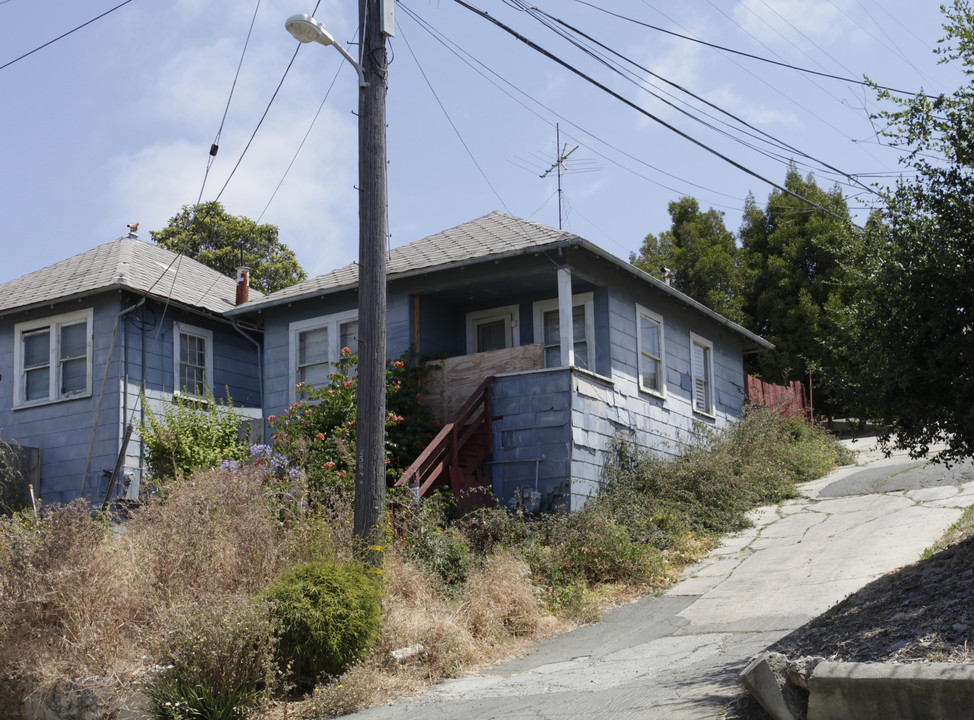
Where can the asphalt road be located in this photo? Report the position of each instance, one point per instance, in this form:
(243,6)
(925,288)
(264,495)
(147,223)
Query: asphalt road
(677,656)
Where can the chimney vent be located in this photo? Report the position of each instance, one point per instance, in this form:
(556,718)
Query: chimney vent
(133,231)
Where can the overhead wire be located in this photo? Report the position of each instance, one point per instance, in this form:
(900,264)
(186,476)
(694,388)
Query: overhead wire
(771,138)
(601,86)
(64,35)
(494,78)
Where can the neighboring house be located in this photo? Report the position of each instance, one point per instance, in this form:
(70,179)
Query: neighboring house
(80,341)
(581,346)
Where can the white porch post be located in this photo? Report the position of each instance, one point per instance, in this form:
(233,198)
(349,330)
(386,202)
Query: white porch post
(565,322)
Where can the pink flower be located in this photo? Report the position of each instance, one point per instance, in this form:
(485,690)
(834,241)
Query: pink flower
(399,364)
(346,351)
(320,436)
(348,383)
(270,418)
(301,385)
(329,465)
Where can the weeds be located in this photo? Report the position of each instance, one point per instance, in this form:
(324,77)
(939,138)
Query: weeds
(174,593)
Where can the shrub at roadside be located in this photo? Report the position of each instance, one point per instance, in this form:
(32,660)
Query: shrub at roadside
(330,617)
(215,660)
(190,435)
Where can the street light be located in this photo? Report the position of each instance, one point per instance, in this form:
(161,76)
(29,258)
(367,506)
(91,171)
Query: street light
(306,29)
(370,471)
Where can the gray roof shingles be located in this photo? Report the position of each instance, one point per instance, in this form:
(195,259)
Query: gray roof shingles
(129,264)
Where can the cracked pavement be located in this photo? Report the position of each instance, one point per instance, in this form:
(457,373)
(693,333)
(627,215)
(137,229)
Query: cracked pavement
(677,656)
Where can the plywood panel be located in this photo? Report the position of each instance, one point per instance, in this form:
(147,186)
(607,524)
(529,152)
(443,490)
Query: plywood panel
(448,388)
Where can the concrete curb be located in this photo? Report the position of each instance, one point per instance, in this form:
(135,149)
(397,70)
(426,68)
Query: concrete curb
(920,691)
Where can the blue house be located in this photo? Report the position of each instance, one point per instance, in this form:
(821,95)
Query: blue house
(81,340)
(575,346)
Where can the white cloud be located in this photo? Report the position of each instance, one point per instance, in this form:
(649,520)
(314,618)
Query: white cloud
(780,21)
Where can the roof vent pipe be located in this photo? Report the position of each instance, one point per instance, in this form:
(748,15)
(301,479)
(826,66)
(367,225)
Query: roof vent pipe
(243,284)
(133,231)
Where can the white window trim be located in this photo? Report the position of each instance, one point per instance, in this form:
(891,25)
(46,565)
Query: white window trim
(587,300)
(697,340)
(641,312)
(508,313)
(53,322)
(180,328)
(333,323)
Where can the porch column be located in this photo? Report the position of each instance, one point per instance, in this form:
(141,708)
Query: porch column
(565,322)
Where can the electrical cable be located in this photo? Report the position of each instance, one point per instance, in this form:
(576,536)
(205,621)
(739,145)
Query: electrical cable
(61,37)
(537,48)
(752,56)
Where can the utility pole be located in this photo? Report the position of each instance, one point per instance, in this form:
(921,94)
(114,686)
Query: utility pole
(562,155)
(370,471)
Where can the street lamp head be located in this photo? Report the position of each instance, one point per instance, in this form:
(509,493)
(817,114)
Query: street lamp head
(306,29)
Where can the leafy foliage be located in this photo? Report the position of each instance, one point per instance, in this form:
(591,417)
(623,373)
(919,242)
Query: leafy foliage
(798,259)
(319,430)
(190,435)
(330,616)
(702,256)
(209,234)
(913,362)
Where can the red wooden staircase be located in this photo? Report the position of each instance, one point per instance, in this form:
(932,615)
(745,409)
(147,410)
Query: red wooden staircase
(454,457)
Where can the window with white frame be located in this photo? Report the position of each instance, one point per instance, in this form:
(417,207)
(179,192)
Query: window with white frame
(702,374)
(316,344)
(192,360)
(53,357)
(649,338)
(547,330)
(494,329)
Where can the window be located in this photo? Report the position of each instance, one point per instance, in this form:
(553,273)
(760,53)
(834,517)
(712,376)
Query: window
(548,331)
(316,344)
(702,374)
(650,343)
(494,329)
(52,357)
(192,360)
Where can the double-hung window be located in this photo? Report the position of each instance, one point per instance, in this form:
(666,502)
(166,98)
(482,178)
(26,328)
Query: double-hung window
(53,358)
(649,329)
(547,329)
(494,329)
(702,374)
(316,345)
(192,360)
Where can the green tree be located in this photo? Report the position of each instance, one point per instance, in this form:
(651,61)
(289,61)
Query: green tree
(797,256)
(209,234)
(915,324)
(701,255)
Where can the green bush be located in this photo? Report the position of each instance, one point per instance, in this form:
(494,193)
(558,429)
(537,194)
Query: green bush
(329,614)
(217,660)
(191,435)
(430,536)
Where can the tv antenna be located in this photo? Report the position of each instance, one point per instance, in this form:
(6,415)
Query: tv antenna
(562,153)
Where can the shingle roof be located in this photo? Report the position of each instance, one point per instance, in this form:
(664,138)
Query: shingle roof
(495,234)
(129,264)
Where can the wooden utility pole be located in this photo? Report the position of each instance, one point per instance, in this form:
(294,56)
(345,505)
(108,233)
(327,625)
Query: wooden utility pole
(370,474)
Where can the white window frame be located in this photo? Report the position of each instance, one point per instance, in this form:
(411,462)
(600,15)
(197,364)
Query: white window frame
(707,373)
(333,323)
(179,329)
(508,313)
(643,356)
(54,324)
(586,300)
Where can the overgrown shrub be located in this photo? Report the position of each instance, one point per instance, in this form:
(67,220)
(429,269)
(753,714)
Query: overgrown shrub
(190,435)
(216,660)
(329,615)
(13,488)
(429,536)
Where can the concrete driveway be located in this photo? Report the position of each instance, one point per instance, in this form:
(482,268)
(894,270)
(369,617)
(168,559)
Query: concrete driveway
(677,656)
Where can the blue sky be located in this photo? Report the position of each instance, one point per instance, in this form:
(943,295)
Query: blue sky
(113,123)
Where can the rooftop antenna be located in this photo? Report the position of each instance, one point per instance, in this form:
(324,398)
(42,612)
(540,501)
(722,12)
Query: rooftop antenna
(562,153)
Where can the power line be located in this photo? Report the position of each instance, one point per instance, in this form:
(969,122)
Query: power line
(537,48)
(751,55)
(61,37)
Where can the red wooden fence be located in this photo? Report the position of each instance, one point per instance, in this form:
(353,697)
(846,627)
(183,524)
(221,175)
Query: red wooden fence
(789,400)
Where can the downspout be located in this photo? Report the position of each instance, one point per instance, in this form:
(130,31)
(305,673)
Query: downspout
(260,363)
